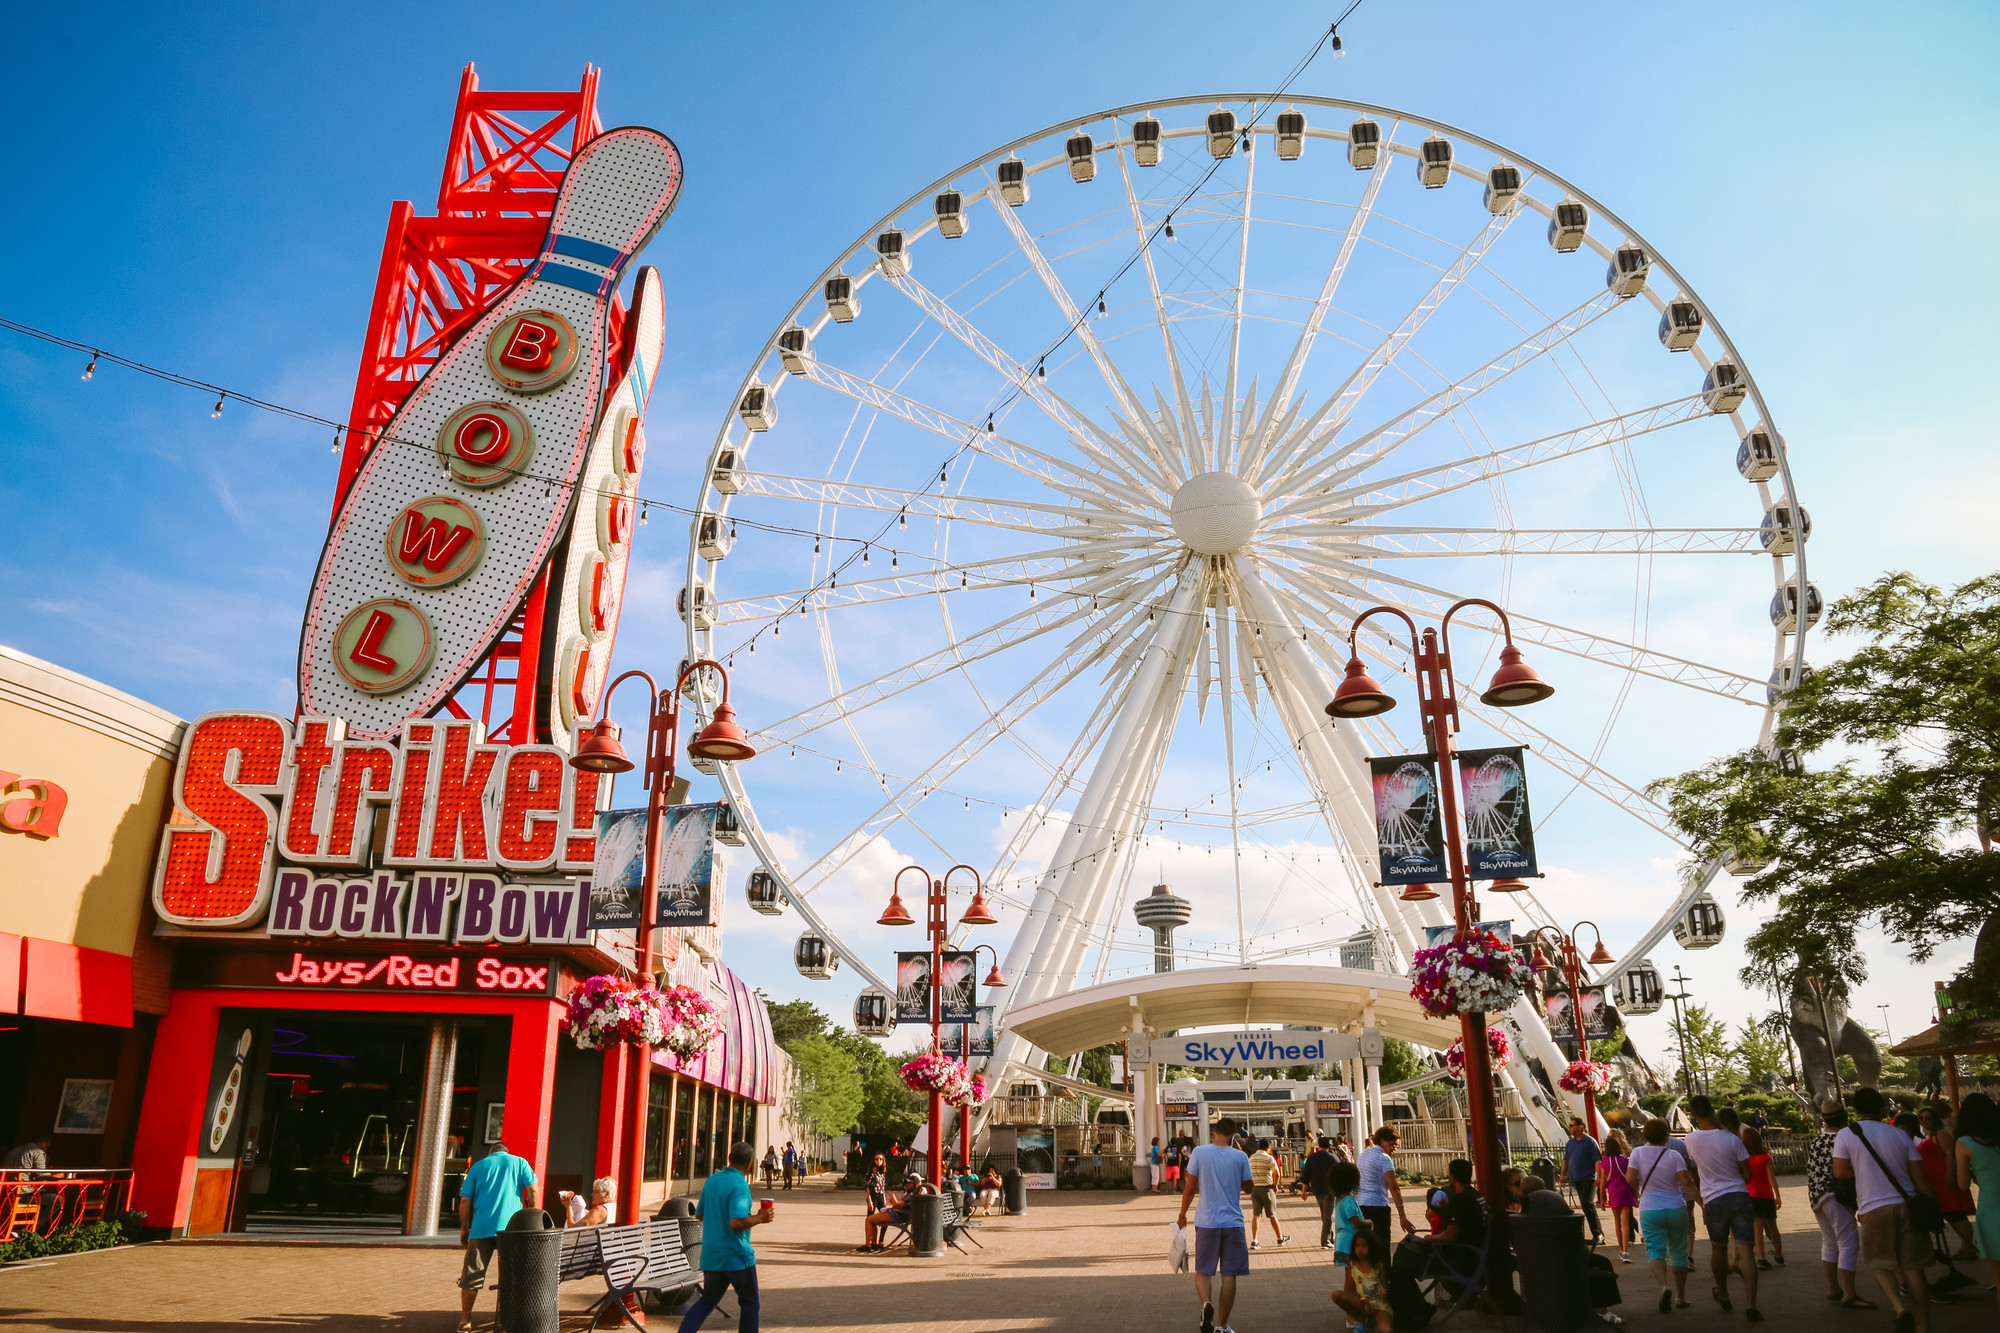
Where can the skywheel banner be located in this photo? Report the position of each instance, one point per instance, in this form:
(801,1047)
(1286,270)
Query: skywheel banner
(1409,830)
(1499,836)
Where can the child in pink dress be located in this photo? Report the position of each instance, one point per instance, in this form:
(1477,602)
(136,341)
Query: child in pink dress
(1617,1190)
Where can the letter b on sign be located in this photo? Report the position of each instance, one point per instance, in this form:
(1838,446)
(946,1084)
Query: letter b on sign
(532,351)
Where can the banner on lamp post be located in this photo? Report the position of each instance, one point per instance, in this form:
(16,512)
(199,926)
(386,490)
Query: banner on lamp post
(1501,930)
(689,866)
(951,1037)
(956,998)
(1409,822)
(1596,1015)
(1499,836)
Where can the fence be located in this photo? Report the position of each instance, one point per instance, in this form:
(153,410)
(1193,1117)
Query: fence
(41,1201)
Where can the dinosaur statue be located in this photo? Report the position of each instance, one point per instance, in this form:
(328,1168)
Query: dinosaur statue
(1930,1077)
(1809,1033)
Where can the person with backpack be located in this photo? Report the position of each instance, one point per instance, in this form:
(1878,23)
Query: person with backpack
(1894,1209)
(1839,1247)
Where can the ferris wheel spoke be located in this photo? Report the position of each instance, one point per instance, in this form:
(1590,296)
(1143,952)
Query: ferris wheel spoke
(1082,432)
(1167,459)
(1295,364)
(1389,493)
(1317,471)
(985,511)
(1228,428)
(1415,543)
(1032,252)
(1422,599)
(1045,468)
(1340,405)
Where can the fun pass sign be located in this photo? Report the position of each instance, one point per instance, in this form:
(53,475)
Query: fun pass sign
(454,840)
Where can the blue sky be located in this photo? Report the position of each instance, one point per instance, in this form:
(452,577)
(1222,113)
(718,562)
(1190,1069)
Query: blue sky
(206,190)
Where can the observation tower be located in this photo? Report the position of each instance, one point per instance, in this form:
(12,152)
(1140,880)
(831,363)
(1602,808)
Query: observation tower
(1162,913)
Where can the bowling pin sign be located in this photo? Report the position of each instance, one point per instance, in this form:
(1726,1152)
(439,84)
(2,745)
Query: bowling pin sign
(463,501)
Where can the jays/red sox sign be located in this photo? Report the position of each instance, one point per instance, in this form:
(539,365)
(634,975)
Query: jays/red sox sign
(507,445)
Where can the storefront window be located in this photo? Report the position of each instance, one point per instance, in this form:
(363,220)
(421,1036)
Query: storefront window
(704,1131)
(684,1129)
(657,1095)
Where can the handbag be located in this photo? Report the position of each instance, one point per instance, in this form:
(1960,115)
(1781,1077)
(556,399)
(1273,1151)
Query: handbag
(1926,1213)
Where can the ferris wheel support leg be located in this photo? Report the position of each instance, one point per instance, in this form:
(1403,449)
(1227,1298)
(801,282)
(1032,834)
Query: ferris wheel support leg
(1054,914)
(1535,1037)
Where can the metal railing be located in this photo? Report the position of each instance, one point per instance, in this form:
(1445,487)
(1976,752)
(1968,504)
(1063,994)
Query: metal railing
(42,1201)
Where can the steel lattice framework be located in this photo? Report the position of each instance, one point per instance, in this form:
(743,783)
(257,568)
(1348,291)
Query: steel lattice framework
(505,161)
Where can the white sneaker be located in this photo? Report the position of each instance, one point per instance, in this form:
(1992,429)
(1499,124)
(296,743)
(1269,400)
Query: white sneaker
(1256,1244)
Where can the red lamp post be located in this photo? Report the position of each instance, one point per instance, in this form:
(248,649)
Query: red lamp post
(1513,685)
(600,751)
(1572,972)
(976,914)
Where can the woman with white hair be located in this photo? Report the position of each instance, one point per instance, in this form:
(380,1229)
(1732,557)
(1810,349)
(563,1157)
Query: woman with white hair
(597,1211)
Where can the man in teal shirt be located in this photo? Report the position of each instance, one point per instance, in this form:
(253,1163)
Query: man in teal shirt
(495,1187)
(727,1259)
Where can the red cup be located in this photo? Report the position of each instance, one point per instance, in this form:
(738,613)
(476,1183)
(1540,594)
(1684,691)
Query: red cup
(770,1205)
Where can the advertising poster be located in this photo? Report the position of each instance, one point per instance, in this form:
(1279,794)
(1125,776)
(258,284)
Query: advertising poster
(1436,935)
(1334,1100)
(982,1034)
(1036,1153)
(688,868)
(1499,838)
(1409,828)
(1596,1015)
(913,988)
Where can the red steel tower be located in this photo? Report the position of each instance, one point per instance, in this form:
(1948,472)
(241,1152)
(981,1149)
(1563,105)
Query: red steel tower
(506,158)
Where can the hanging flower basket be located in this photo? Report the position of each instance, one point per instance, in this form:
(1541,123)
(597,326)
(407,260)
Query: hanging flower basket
(939,1074)
(1586,1076)
(1499,1053)
(972,1091)
(609,1011)
(1476,975)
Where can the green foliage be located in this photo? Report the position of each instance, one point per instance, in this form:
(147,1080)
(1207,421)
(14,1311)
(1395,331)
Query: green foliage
(1607,1049)
(1399,1060)
(1656,1103)
(1849,846)
(1783,1112)
(795,1018)
(1758,1053)
(73,1239)
(888,1108)
(829,1096)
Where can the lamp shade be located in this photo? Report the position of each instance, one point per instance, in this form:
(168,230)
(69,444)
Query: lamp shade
(978,913)
(1539,961)
(1601,955)
(1360,695)
(1508,885)
(1515,683)
(1418,893)
(722,739)
(599,750)
(895,914)
(994,979)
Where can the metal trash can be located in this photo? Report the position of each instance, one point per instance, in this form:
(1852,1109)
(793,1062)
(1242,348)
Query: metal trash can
(926,1226)
(1014,1192)
(530,1255)
(1555,1272)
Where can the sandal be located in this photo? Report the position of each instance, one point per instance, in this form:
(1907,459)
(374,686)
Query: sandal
(1721,1297)
(1859,1303)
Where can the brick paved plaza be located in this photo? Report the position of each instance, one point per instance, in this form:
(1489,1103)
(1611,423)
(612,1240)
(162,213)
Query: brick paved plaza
(1075,1261)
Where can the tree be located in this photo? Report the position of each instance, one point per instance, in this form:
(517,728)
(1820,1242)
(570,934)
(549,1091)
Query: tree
(889,1109)
(1703,1041)
(1758,1053)
(1849,846)
(829,1094)
(795,1018)
(1399,1060)
(1606,1049)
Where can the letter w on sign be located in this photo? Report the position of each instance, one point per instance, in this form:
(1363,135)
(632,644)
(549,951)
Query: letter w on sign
(430,540)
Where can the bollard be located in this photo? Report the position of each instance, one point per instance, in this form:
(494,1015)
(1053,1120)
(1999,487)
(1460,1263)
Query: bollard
(530,1258)
(926,1226)
(1014,1191)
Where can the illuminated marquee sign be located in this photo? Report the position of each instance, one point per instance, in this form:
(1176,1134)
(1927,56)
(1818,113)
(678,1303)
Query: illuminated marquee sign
(393,972)
(499,451)
(287,820)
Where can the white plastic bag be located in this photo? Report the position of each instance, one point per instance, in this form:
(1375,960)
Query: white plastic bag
(1177,1248)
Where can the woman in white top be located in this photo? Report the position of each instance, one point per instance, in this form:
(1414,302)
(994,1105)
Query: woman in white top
(1659,1178)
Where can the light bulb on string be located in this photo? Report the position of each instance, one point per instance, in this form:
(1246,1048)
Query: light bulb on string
(645,513)
(1339,51)
(1042,368)
(90,369)
(336,435)
(217,411)
(1101,311)
(903,518)
(1170,226)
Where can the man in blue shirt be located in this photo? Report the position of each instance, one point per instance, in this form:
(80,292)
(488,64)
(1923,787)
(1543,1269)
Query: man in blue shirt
(727,1259)
(1580,1158)
(495,1187)
(1221,1173)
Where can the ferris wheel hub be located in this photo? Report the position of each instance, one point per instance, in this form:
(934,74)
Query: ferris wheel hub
(1215,513)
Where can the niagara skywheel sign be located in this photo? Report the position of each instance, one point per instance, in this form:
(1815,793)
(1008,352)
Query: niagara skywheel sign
(1048,503)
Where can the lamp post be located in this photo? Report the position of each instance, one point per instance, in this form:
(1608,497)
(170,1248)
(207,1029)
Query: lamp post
(600,751)
(1572,971)
(1514,684)
(977,913)
(994,980)
(1680,1030)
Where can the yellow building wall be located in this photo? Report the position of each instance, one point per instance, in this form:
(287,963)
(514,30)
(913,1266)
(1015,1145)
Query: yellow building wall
(88,885)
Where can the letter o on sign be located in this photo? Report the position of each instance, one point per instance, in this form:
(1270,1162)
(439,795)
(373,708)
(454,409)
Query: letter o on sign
(485,444)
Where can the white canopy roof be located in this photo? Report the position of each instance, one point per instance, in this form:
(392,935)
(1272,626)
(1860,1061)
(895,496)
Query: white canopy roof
(1329,997)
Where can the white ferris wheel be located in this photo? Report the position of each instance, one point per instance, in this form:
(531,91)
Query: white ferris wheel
(1035,532)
